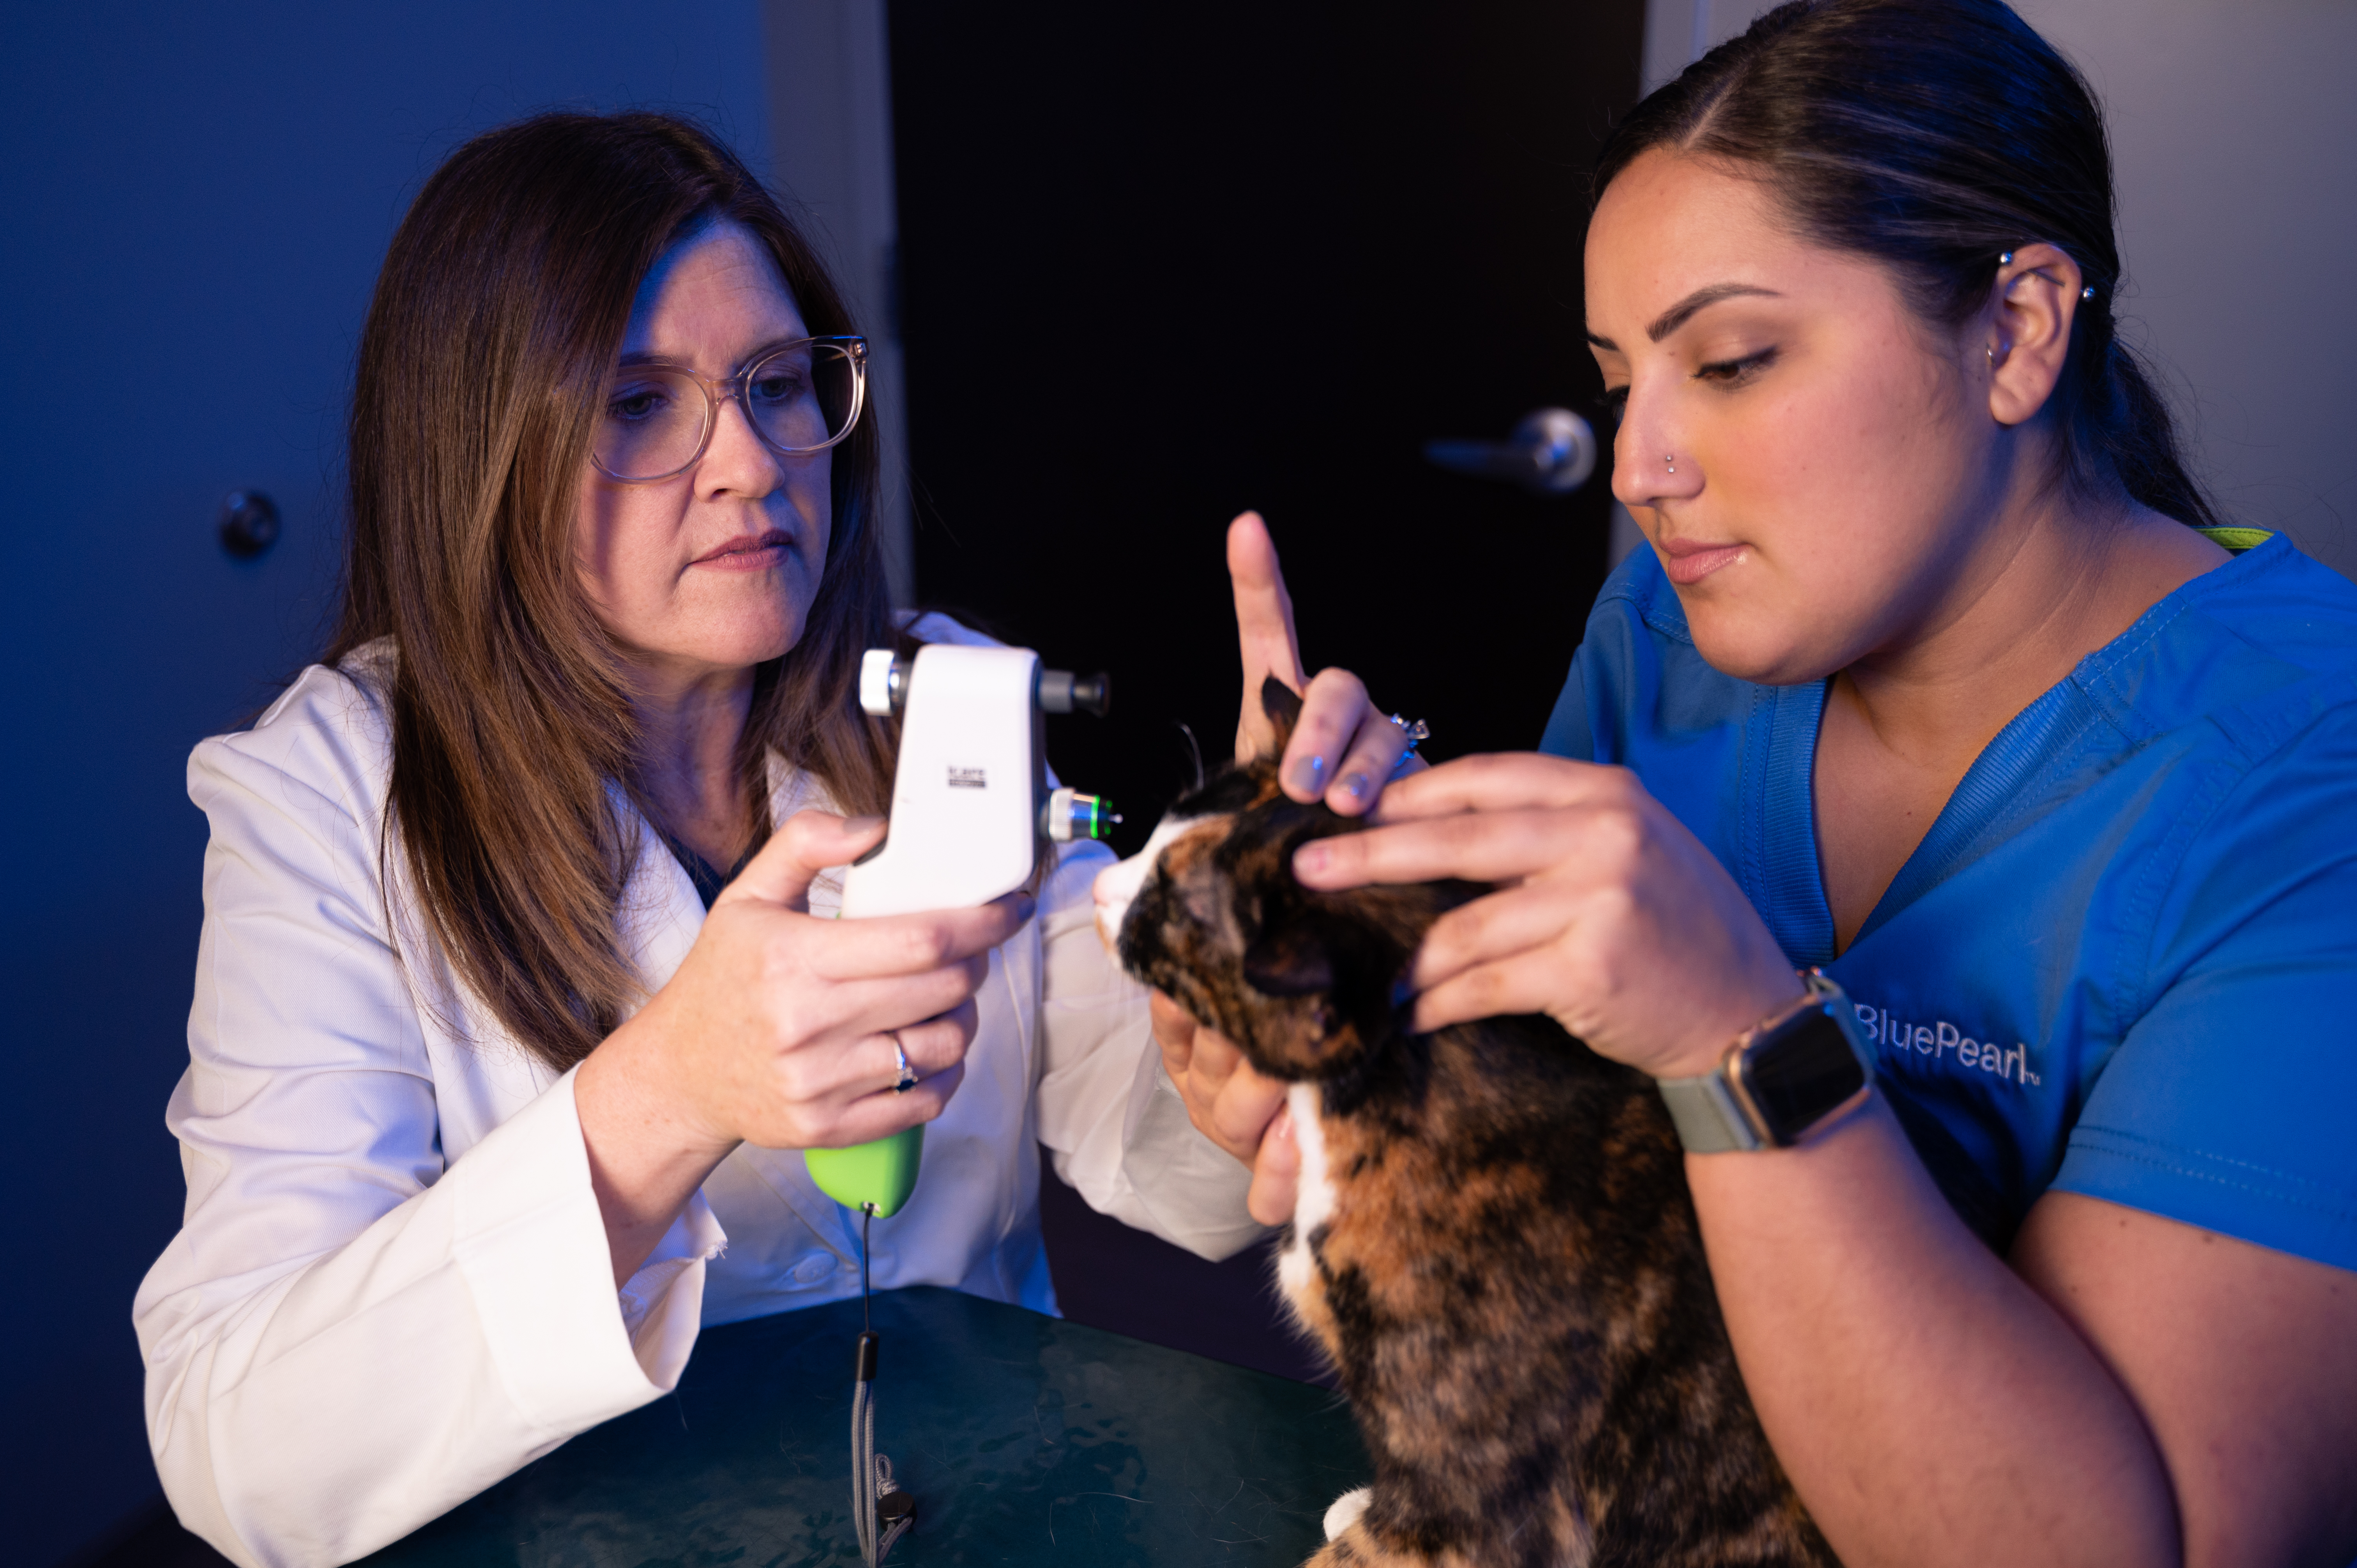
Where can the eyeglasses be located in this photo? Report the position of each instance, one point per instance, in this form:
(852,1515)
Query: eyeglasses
(800,399)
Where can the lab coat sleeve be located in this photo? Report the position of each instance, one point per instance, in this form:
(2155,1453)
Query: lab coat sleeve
(349,1335)
(1112,1120)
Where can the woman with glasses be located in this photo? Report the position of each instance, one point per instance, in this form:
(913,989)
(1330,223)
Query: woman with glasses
(1940,674)
(517,996)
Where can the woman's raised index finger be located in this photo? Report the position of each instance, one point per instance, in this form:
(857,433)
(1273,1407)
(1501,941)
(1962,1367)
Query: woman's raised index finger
(1264,631)
(1263,608)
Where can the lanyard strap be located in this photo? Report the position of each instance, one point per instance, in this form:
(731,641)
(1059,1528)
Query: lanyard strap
(880,1510)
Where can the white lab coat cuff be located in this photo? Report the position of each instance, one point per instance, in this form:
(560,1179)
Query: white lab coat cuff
(531,1244)
(662,1304)
(1193,1189)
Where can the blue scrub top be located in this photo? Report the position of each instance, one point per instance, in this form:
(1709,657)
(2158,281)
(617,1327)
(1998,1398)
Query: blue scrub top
(2123,960)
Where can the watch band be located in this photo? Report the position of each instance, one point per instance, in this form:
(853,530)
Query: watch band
(1713,1117)
(1708,1119)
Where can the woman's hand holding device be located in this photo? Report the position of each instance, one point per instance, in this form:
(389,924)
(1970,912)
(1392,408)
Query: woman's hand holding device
(779,1030)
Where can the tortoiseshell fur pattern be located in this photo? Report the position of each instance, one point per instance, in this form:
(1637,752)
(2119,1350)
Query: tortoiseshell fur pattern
(1495,1240)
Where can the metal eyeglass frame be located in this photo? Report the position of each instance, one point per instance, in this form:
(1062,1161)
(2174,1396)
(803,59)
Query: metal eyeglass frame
(732,389)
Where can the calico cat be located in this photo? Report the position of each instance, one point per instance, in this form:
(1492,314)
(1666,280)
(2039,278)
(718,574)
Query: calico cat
(1493,1238)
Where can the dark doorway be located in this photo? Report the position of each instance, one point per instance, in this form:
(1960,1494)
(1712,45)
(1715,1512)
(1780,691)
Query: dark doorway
(1159,264)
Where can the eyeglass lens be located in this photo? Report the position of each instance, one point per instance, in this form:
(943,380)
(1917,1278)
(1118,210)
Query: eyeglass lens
(800,399)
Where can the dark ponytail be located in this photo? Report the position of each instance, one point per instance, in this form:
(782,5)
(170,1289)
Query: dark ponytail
(1934,135)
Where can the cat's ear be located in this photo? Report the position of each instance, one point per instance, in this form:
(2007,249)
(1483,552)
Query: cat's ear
(1288,962)
(1282,703)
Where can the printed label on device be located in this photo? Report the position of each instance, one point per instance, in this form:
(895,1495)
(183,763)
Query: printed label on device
(968,777)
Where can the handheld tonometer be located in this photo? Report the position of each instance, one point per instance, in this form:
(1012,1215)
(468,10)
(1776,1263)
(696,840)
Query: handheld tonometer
(970,806)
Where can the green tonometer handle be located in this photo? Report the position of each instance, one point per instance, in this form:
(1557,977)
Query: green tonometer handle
(881,1173)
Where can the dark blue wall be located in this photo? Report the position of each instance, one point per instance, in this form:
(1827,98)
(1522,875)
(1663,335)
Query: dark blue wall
(193,203)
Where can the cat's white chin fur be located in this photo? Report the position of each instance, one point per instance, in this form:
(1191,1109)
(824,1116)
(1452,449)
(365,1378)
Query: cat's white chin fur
(1313,1200)
(1346,1509)
(1118,885)
(1313,1205)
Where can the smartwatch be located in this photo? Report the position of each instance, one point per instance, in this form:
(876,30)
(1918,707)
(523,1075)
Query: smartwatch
(1781,1080)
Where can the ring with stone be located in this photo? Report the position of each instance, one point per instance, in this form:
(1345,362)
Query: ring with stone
(900,1058)
(1417,731)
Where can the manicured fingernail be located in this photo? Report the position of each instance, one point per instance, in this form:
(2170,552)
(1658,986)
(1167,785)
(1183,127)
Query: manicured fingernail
(1310,859)
(1356,785)
(1309,774)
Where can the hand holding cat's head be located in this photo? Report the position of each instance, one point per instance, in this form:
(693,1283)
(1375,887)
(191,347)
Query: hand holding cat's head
(1209,913)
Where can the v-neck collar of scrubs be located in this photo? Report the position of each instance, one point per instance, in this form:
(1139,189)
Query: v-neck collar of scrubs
(2039,745)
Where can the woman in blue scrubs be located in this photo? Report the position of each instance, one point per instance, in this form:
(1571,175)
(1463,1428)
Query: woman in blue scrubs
(1938,674)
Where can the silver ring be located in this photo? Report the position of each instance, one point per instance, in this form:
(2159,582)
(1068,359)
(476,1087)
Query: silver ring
(1417,731)
(908,1074)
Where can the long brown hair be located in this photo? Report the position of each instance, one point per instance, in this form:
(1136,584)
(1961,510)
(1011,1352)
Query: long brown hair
(1936,135)
(494,326)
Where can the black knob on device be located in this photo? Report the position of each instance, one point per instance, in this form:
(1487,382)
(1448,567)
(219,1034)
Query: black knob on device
(1062,691)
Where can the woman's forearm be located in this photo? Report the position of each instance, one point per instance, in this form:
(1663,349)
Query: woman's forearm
(1929,1405)
(645,1162)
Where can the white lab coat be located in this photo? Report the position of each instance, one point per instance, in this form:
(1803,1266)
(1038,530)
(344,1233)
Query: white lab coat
(393,1286)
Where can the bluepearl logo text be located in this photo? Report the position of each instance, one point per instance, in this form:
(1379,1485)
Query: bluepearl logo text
(1942,1041)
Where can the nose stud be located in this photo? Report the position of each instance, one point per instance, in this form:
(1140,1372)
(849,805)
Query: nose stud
(1672,459)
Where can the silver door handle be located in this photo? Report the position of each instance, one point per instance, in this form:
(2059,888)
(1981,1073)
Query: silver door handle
(1552,453)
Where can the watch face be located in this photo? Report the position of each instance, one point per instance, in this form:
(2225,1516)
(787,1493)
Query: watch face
(1804,1070)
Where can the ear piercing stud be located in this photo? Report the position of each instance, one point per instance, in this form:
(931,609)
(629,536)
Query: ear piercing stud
(2005,259)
